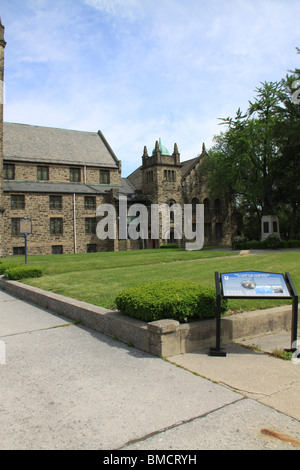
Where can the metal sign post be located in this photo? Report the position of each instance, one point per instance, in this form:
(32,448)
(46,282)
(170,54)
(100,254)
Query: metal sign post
(294,327)
(25,229)
(256,285)
(218,351)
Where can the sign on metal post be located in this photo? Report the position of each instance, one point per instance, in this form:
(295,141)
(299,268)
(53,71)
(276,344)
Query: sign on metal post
(256,285)
(25,229)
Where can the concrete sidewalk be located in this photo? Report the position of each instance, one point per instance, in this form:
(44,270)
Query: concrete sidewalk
(64,386)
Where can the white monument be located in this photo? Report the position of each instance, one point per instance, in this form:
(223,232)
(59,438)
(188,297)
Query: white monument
(269,225)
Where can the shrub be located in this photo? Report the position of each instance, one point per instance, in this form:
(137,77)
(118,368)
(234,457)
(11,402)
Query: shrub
(239,242)
(273,241)
(21,272)
(293,243)
(169,245)
(4,267)
(178,300)
(253,245)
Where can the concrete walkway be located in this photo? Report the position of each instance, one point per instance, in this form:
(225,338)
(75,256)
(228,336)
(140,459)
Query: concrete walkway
(64,386)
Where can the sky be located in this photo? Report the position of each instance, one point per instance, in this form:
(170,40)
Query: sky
(140,70)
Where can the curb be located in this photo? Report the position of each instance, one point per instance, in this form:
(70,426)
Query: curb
(161,338)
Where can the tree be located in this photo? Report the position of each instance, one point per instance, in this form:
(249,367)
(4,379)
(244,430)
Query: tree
(287,169)
(243,158)
(256,160)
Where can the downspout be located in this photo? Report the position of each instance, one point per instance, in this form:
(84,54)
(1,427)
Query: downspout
(84,174)
(74,223)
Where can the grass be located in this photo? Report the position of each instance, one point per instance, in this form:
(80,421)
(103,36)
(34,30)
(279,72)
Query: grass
(282,354)
(98,277)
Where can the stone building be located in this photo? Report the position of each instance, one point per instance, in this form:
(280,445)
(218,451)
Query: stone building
(57,178)
(163,179)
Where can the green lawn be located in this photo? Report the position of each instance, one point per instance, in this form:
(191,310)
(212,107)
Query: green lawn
(97,278)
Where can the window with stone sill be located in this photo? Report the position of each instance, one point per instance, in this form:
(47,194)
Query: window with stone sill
(75,175)
(90,202)
(55,202)
(18,250)
(17,201)
(104,177)
(8,171)
(56,226)
(90,224)
(169,175)
(43,173)
(91,248)
(57,249)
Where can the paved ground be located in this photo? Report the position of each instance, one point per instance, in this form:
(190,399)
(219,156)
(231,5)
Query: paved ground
(64,386)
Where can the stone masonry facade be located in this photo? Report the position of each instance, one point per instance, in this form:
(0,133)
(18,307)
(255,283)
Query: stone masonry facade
(57,178)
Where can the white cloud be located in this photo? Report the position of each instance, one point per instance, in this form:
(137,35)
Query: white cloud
(143,69)
(121,8)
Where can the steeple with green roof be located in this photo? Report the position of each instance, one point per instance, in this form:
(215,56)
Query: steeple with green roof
(163,150)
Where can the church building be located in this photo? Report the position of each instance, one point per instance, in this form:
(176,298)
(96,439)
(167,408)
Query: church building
(57,178)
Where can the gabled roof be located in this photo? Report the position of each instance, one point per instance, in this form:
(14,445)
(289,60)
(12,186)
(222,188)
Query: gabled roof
(23,142)
(135,178)
(188,165)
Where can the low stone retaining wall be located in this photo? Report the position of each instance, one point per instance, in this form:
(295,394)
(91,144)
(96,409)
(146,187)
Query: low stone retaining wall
(161,338)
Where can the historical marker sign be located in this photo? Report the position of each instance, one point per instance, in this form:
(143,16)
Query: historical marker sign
(254,284)
(25,226)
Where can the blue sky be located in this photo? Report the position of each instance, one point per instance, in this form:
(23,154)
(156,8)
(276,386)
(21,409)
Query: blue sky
(143,69)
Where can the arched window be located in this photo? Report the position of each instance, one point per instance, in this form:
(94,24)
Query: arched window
(195,201)
(206,203)
(218,207)
(170,204)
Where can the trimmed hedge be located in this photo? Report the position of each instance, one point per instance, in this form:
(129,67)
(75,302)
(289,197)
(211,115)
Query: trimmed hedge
(273,241)
(169,245)
(178,300)
(4,267)
(21,272)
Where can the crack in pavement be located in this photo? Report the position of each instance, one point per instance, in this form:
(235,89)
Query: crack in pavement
(175,425)
(40,329)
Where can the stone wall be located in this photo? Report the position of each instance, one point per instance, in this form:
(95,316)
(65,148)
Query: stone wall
(73,238)
(24,171)
(219,215)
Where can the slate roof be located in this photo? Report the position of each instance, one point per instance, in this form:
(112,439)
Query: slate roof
(127,187)
(49,187)
(188,165)
(135,178)
(23,142)
(64,188)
